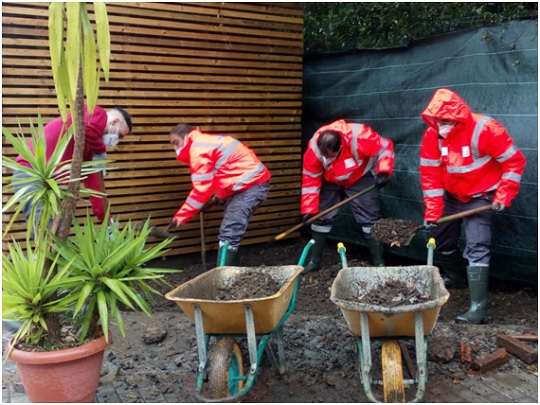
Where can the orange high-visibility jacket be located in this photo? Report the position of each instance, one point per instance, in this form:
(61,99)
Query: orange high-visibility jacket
(219,165)
(478,156)
(362,149)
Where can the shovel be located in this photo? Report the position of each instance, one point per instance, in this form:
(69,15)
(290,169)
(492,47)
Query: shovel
(326,211)
(403,237)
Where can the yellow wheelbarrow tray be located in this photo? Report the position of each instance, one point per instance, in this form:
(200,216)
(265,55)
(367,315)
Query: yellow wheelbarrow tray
(254,318)
(228,317)
(378,321)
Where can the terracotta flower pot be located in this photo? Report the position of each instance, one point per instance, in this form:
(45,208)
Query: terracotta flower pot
(68,375)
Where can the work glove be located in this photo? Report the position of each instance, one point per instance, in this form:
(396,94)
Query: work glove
(213,201)
(498,207)
(430,225)
(173,225)
(306,217)
(382,180)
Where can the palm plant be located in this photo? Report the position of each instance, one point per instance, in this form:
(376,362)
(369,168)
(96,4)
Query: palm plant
(30,289)
(108,261)
(42,185)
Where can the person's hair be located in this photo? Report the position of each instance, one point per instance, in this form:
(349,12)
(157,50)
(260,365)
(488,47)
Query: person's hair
(182,129)
(125,115)
(329,141)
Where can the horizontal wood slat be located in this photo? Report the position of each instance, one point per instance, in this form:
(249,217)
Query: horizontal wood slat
(231,68)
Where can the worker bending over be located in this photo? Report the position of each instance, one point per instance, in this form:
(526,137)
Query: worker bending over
(222,169)
(344,158)
(103,129)
(466,160)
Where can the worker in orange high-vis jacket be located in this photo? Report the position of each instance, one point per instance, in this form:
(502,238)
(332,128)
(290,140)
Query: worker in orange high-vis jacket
(222,169)
(344,158)
(466,160)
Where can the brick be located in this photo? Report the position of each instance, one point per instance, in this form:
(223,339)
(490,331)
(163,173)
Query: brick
(517,348)
(465,353)
(526,338)
(490,361)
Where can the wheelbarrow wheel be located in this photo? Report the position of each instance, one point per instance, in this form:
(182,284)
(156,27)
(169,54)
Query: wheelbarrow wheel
(392,371)
(225,368)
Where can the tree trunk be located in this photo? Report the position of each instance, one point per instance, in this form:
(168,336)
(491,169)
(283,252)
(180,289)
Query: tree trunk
(62,225)
(70,203)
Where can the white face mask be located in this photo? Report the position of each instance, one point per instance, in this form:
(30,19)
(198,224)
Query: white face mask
(178,149)
(445,129)
(111,139)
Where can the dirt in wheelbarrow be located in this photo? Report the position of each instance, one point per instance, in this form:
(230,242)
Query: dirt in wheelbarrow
(392,293)
(251,284)
(394,232)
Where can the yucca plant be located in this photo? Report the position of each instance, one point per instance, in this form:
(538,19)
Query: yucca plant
(44,185)
(33,290)
(109,261)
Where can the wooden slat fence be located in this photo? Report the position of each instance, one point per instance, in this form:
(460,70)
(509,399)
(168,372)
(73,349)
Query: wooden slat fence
(232,68)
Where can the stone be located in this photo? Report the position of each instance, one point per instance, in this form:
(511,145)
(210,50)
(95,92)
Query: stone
(154,334)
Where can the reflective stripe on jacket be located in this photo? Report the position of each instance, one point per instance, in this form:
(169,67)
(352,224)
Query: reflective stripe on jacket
(220,166)
(362,150)
(476,157)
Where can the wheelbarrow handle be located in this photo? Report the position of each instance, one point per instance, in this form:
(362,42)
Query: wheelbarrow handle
(324,212)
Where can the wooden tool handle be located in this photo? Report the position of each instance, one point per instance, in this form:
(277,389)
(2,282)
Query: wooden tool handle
(324,212)
(464,214)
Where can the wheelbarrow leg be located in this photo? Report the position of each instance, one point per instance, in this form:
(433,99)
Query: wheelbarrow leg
(421,356)
(251,339)
(365,357)
(202,344)
(277,354)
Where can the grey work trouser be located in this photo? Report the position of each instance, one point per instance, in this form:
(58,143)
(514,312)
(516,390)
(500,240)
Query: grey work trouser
(365,209)
(477,230)
(238,211)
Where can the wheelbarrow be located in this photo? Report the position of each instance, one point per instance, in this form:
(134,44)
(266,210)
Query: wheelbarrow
(259,319)
(388,323)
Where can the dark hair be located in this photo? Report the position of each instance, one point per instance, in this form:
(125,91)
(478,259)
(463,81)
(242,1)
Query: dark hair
(329,141)
(182,129)
(126,116)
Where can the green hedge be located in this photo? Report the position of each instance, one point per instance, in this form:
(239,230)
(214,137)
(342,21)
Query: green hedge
(331,27)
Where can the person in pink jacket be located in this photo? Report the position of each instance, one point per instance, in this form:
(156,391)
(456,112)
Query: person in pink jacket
(103,129)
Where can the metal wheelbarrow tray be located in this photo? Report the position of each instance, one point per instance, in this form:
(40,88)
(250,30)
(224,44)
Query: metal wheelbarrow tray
(227,317)
(257,319)
(368,321)
(389,321)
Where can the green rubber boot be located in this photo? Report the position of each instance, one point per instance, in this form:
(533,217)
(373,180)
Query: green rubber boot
(376,250)
(452,269)
(232,258)
(314,263)
(478,277)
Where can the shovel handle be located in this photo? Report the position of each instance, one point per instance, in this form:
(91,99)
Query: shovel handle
(464,214)
(324,212)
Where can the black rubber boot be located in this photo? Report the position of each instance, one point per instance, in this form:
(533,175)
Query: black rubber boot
(314,263)
(452,269)
(376,250)
(478,277)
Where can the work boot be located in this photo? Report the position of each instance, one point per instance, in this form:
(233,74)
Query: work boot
(314,263)
(451,268)
(233,259)
(376,250)
(478,277)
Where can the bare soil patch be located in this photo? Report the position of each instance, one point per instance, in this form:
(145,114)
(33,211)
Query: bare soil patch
(250,284)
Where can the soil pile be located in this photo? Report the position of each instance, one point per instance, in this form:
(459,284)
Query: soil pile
(391,294)
(251,284)
(394,232)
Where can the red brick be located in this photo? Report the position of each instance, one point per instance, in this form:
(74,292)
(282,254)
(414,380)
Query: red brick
(517,348)
(490,361)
